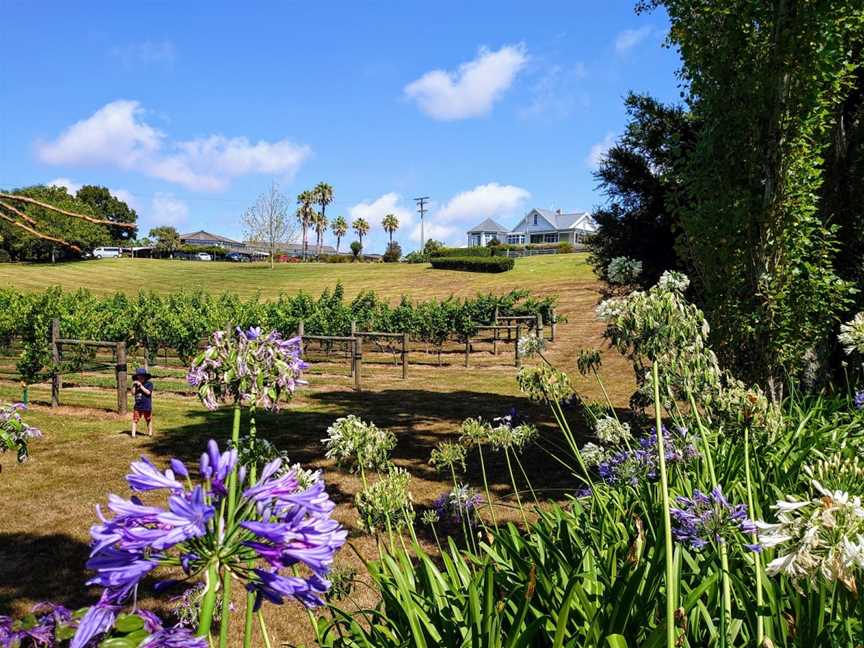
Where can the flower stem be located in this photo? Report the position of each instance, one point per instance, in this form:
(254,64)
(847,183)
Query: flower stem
(757,559)
(232,505)
(667,518)
(515,488)
(486,486)
(208,603)
(264,629)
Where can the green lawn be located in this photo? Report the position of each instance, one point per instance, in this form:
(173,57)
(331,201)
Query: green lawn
(541,273)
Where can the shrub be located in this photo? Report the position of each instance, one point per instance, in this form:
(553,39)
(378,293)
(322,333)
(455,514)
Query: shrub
(416,257)
(473,264)
(4,256)
(356,248)
(393,252)
(464,252)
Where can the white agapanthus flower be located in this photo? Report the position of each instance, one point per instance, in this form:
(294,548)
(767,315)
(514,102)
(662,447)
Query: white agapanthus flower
(530,345)
(623,270)
(852,334)
(356,444)
(593,454)
(823,536)
(609,309)
(673,281)
(612,431)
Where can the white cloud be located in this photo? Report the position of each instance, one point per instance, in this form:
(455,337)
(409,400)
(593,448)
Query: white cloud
(145,52)
(71,186)
(598,151)
(630,38)
(116,135)
(471,90)
(554,92)
(168,210)
(374,211)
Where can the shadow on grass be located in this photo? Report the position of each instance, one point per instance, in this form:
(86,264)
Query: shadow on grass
(420,419)
(42,567)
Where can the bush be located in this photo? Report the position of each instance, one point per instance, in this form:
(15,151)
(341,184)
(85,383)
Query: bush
(356,248)
(4,256)
(473,263)
(393,252)
(463,252)
(335,258)
(416,257)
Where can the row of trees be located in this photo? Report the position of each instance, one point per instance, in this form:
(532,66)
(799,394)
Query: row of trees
(30,231)
(754,185)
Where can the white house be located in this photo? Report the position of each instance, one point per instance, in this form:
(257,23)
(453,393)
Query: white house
(538,226)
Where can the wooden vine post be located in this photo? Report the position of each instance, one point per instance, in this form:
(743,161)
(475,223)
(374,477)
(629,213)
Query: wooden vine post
(552,322)
(516,346)
(121,371)
(300,332)
(357,365)
(539,326)
(404,356)
(467,349)
(56,376)
(495,333)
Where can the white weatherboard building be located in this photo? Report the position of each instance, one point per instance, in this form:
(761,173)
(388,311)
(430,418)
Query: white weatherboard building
(538,226)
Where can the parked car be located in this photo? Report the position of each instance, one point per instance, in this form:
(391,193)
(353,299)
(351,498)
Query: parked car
(204,256)
(237,257)
(107,252)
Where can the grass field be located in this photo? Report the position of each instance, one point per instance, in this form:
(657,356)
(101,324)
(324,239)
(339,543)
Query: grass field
(48,503)
(390,280)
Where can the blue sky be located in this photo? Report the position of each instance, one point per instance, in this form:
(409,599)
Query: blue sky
(190,110)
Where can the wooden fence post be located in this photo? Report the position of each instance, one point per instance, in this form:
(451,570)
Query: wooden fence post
(553,321)
(495,338)
(358,362)
(516,345)
(353,335)
(121,377)
(467,349)
(300,332)
(56,377)
(540,326)
(404,356)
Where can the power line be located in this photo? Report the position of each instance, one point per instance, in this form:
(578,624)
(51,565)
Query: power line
(421,207)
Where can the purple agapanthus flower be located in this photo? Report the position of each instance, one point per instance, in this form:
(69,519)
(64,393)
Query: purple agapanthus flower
(248,367)
(98,620)
(709,518)
(174,638)
(859,399)
(462,503)
(284,524)
(632,466)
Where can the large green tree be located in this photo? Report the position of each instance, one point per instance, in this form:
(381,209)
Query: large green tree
(767,80)
(641,176)
(108,207)
(167,239)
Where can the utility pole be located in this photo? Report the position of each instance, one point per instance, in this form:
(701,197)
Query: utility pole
(421,207)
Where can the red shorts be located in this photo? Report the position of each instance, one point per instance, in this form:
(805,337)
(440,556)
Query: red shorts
(139,414)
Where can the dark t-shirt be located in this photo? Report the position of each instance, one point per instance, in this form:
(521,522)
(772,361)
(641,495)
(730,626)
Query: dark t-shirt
(144,402)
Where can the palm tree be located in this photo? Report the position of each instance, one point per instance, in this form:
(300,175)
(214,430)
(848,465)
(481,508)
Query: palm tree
(323,193)
(390,225)
(320,222)
(305,214)
(361,227)
(340,229)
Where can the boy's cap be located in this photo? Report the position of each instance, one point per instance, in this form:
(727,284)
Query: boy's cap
(141,372)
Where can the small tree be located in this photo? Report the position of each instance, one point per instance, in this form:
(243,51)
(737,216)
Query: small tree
(320,223)
(356,247)
(305,215)
(267,221)
(110,208)
(390,225)
(361,227)
(340,229)
(393,252)
(167,239)
(323,196)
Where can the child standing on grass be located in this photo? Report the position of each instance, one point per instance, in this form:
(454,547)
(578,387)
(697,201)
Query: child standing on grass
(142,391)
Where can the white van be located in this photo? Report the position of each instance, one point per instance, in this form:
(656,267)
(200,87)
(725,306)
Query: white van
(106,252)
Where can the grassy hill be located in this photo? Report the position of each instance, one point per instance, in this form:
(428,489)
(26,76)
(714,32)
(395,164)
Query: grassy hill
(546,274)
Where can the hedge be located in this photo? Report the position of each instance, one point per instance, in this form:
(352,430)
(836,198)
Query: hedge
(563,247)
(475,251)
(473,263)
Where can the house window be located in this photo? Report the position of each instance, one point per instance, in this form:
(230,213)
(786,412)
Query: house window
(536,238)
(551,238)
(535,219)
(515,239)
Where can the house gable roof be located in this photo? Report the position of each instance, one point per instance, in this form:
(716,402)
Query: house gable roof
(488,225)
(201,235)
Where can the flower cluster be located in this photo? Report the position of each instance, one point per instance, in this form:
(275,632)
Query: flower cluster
(504,433)
(387,504)
(247,368)
(852,334)
(859,399)
(458,506)
(632,466)
(823,536)
(448,456)
(837,472)
(531,345)
(276,525)
(358,445)
(612,431)
(623,271)
(544,383)
(710,518)
(14,432)
(673,282)
(39,628)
